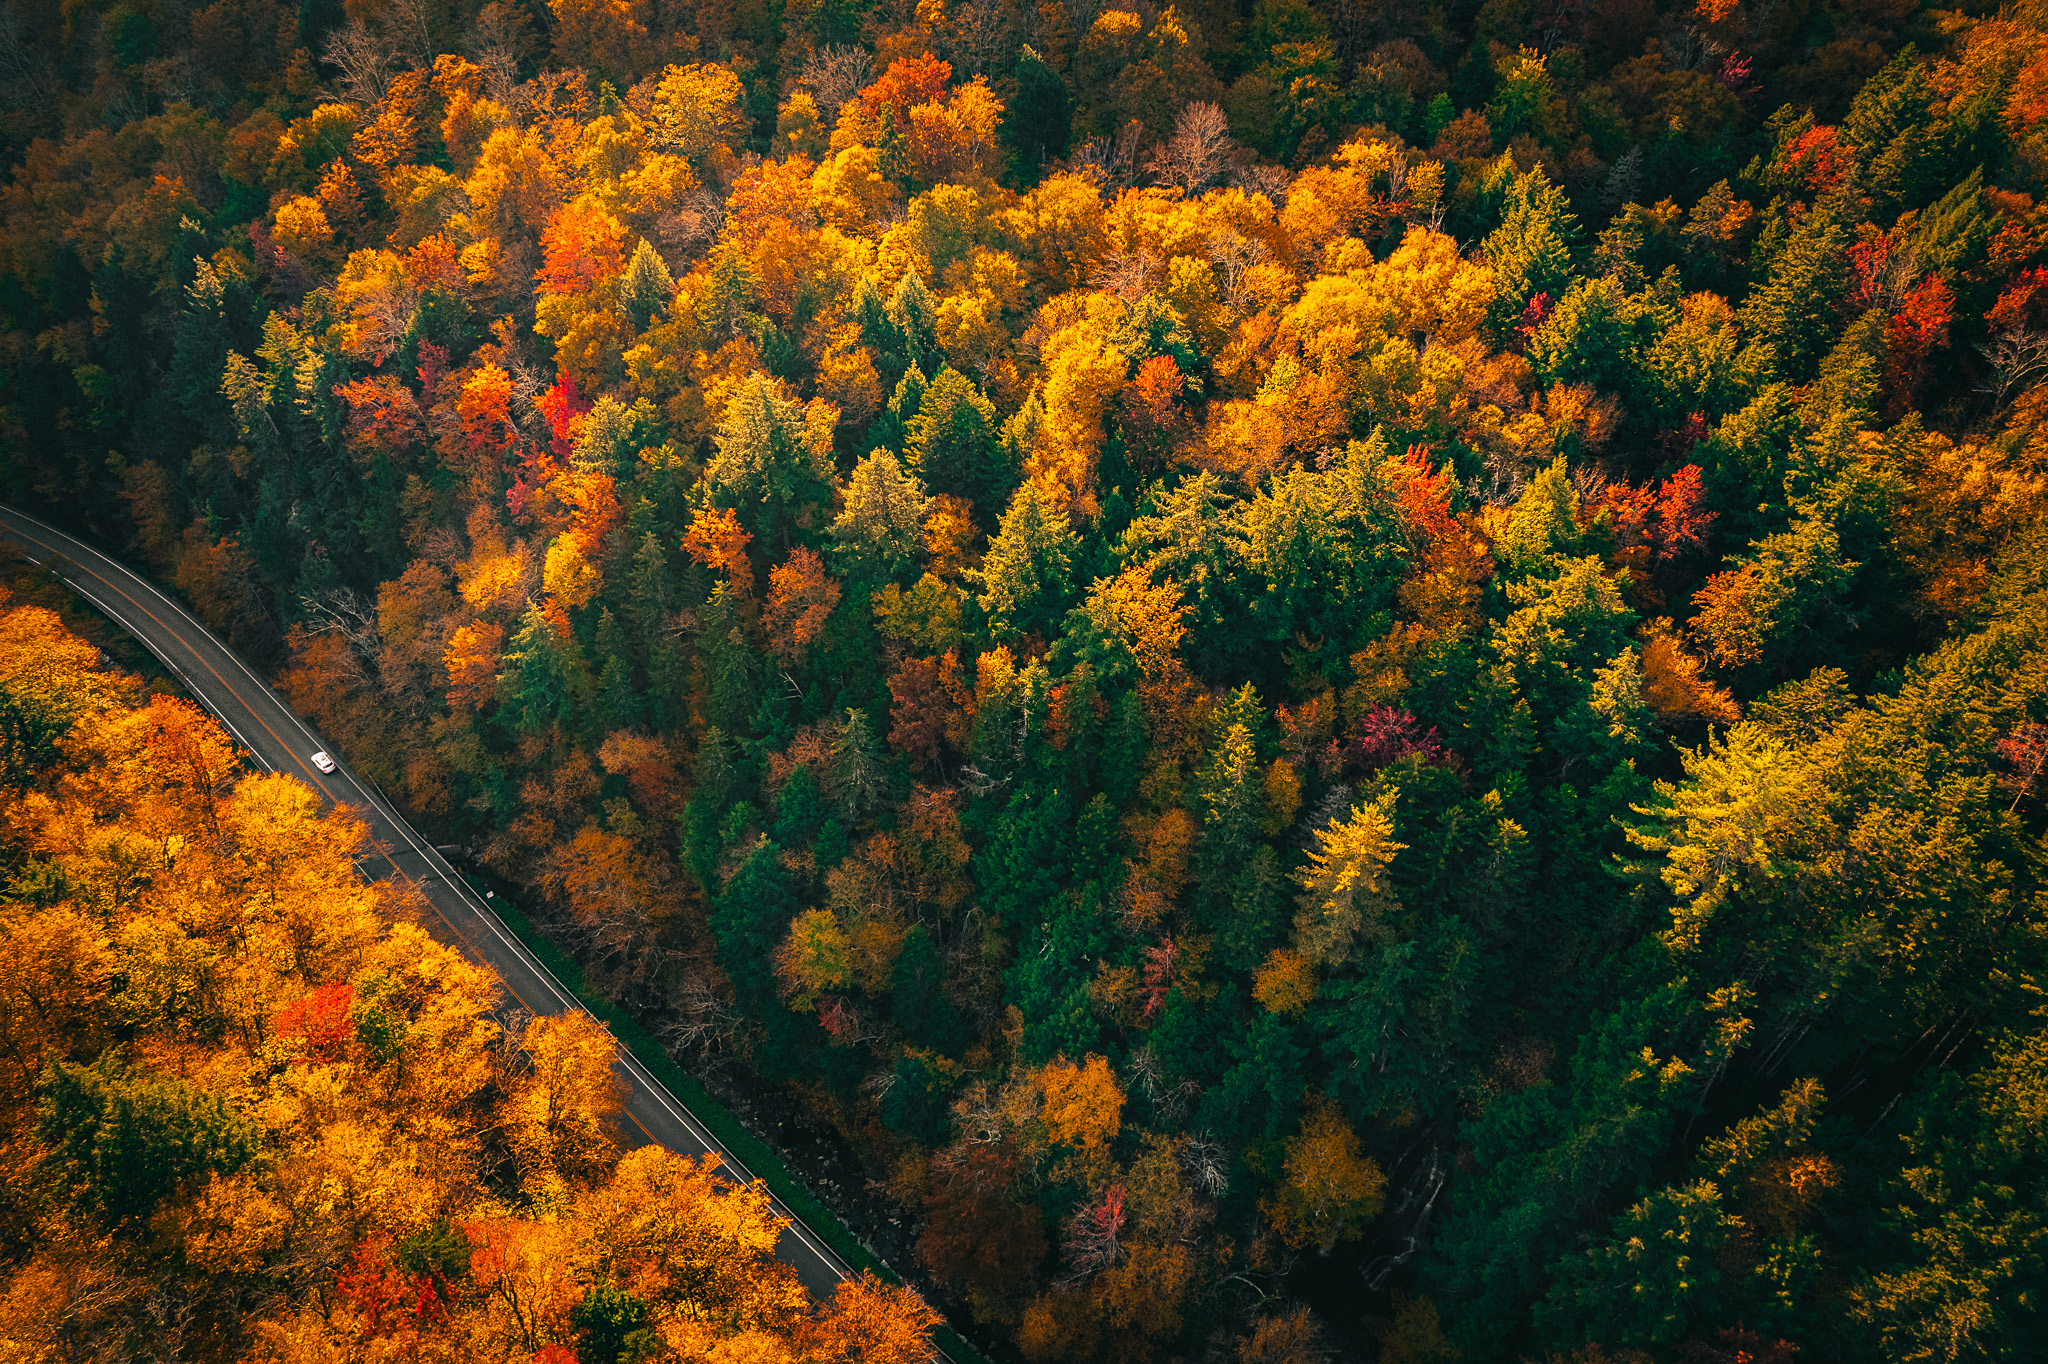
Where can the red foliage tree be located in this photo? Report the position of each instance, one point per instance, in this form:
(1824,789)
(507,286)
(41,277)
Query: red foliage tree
(908,82)
(920,706)
(1424,492)
(1095,1234)
(1383,735)
(433,368)
(1816,158)
(1655,527)
(321,1018)
(485,407)
(563,407)
(391,1301)
(1912,334)
(2025,753)
(383,414)
(1158,979)
(1659,524)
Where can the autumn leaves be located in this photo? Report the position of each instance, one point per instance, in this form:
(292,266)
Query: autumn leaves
(254,1094)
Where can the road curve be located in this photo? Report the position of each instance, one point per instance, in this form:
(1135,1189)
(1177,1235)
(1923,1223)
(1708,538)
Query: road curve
(282,742)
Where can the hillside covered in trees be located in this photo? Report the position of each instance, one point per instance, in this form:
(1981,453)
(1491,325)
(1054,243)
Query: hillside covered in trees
(1332,676)
(250,1110)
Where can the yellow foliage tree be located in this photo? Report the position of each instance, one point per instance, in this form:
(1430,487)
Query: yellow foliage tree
(560,1118)
(1342,893)
(1328,1189)
(1084,1104)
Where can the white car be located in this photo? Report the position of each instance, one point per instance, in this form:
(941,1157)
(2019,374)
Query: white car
(323,762)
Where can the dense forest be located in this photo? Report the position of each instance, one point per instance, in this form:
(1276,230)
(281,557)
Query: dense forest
(1331,676)
(250,1110)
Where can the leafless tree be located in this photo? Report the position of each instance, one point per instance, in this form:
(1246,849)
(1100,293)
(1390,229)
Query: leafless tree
(364,60)
(985,35)
(529,381)
(849,1024)
(705,1019)
(1197,153)
(1589,481)
(343,611)
(168,1311)
(1126,274)
(1260,178)
(385,317)
(1206,1163)
(410,25)
(1895,277)
(1171,1100)
(494,45)
(25,75)
(1094,1234)
(1397,180)
(509,1057)
(1507,473)
(836,75)
(1110,161)
(695,220)
(1233,254)
(84,1311)
(1687,47)
(2018,357)
(444,545)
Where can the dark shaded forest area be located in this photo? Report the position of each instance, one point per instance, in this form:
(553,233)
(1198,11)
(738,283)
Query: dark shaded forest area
(1399,641)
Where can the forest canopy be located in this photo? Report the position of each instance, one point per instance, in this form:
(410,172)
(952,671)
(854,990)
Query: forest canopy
(1327,677)
(250,1109)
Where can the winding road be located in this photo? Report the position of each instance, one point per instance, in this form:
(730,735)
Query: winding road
(282,742)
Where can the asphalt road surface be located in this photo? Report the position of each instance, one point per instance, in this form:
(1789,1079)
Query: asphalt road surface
(281,742)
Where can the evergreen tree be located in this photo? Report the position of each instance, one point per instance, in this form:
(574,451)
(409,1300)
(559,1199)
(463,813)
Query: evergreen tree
(726,304)
(1531,250)
(918,1002)
(890,428)
(715,785)
(748,919)
(618,697)
(1025,575)
(647,596)
(915,314)
(878,329)
(1038,122)
(766,465)
(133,1140)
(732,666)
(879,529)
(951,443)
(1794,310)
(1902,144)
(612,1325)
(646,286)
(1543,523)
(540,684)
(799,809)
